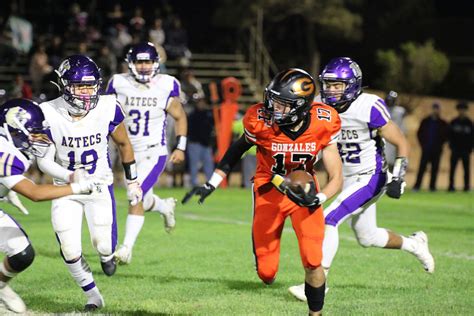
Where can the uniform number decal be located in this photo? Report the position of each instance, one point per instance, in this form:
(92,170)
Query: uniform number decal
(136,116)
(349,152)
(87,158)
(300,158)
(324,114)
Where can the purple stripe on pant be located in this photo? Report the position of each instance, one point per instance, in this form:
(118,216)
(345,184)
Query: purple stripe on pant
(114,216)
(152,177)
(358,199)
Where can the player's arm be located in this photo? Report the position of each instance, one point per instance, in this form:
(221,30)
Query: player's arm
(392,133)
(231,157)
(121,140)
(333,165)
(175,109)
(52,168)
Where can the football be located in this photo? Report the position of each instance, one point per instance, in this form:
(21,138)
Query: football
(299,178)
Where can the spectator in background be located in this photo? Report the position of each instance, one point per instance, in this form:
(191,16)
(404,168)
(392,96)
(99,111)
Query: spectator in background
(107,63)
(114,17)
(176,44)
(137,23)
(39,68)
(20,88)
(55,51)
(461,141)
(120,39)
(432,134)
(199,149)
(156,32)
(249,160)
(77,22)
(190,86)
(397,114)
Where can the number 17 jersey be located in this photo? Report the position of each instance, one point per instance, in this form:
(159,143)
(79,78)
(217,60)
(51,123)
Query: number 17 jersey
(145,108)
(281,153)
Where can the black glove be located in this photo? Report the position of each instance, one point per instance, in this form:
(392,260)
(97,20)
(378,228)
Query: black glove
(302,198)
(203,191)
(396,188)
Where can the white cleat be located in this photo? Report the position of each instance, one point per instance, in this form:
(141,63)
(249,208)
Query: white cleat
(11,300)
(422,252)
(13,199)
(168,213)
(93,303)
(123,255)
(298,292)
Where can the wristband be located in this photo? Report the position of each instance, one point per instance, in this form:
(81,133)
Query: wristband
(215,180)
(130,169)
(322,197)
(400,167)
(181,142)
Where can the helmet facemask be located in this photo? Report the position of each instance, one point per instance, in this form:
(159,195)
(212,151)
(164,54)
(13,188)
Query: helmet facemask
(285,112)
(144,72)
(81,96)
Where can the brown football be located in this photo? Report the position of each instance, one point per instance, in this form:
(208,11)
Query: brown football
(299,178)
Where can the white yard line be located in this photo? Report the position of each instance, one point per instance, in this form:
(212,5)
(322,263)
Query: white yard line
(199,218)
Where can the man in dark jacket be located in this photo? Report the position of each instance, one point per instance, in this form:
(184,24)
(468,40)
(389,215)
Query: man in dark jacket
(432,134)
(461,143)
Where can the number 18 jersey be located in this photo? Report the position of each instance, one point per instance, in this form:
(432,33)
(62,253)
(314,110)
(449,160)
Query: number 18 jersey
(145,108)
(281,153)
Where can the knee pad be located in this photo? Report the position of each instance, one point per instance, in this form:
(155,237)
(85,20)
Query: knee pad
(377,239)
(22,260)
(70,252)
(104,248)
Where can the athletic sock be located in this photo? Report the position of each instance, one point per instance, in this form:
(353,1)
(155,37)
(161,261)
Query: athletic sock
(133,227)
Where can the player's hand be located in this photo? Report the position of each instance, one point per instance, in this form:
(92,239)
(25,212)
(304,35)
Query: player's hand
(203,191)
(134,192)
(78,175)
(86,185)
(396,188)
(177,156)
(302,198)
(13,199)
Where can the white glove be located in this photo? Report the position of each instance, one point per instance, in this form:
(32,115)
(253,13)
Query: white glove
(13,199)
(134,192)
(78,175)
(84,183)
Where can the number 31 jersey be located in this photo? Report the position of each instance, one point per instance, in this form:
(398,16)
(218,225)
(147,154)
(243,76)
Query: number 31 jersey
(145,108)
(360,145)
(281,153)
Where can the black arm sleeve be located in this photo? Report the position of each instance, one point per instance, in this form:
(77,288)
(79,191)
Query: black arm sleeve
(233,154)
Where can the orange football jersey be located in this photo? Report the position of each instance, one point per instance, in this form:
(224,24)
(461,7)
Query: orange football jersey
(280,153)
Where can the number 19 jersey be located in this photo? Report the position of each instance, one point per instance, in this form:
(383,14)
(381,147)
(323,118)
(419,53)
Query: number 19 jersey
(281,153)
(145,108)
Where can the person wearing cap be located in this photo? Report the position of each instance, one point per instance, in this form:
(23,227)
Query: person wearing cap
(461,143)
(432,134)
(397,114)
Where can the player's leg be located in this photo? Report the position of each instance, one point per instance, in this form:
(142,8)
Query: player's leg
(151,202)
(100,210)
(309,229)
(369,235)
(267,227)
(19,256)
(66,217)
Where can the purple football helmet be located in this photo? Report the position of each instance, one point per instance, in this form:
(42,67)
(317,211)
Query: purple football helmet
(143,52)
(79,81)
(24,126)
(347,71)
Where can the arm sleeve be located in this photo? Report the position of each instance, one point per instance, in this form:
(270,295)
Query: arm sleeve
(11,181)
(52,168)
(118,118)
(233,154)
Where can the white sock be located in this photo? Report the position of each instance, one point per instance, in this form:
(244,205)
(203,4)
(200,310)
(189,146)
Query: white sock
(106,258)
(82,274)
(330,245)
(132,229)
(159,204)
(409,244)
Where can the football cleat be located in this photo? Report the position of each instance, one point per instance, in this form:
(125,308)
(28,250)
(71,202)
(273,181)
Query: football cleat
(168,214)
(109,267)
(11,300)
(123,255)
(94,303)
(13,199)
(422,252)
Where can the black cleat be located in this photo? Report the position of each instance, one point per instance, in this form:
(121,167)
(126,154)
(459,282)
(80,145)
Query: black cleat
(90,308)
(109,267)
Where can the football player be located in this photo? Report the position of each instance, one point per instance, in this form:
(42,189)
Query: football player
(23,136)
(365,125)
(81,122)
(147,98)
(289,131)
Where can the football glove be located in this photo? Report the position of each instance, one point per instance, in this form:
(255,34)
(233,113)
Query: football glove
(85,186)
(203,191)
(297,195)
(396,187)
(134,192)
(78,175)
(13,199)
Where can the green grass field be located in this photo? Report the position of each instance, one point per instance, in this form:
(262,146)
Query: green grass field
(206,266)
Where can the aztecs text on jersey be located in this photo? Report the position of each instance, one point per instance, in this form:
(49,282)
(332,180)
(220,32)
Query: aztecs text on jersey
(281,153)
(145,108)
(83,143)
